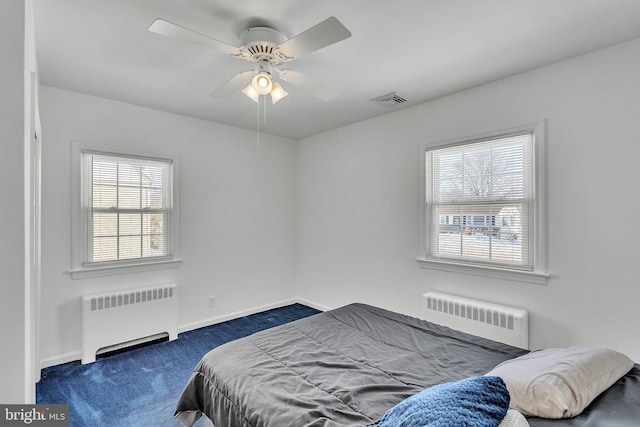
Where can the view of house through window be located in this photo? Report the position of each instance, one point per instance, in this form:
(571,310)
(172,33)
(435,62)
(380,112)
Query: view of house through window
(127,206)
(480,201)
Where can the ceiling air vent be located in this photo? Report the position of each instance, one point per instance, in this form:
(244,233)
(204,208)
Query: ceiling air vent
(389,100)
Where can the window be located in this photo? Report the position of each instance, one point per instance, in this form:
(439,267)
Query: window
(126,211)
(482,205)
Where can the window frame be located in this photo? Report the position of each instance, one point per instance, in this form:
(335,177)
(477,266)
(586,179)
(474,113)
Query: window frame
(81,269)
(538,274)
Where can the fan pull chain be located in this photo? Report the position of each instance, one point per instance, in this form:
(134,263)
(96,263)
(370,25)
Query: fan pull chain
(258,121)
(264,116)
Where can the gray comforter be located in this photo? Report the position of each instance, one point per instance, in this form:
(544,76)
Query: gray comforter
(344,367)
(348,366)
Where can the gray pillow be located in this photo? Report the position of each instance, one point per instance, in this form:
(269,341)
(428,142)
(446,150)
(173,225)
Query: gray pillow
(560,382)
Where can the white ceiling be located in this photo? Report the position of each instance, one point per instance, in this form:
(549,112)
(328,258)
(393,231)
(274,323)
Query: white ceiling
(422,49)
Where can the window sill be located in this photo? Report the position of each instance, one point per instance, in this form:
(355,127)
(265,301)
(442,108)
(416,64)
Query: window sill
(485,271)
(87,272)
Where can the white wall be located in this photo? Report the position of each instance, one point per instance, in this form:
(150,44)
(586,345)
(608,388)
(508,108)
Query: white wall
(12,189)
(358,201)
(237,211)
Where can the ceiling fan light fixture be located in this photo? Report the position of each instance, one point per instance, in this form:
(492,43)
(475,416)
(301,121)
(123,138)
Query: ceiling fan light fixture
(251,92)
(266,48)
(261,83)
(277,92)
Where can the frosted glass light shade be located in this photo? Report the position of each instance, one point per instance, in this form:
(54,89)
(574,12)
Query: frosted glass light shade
(277,92)
(251,93)
(261,83)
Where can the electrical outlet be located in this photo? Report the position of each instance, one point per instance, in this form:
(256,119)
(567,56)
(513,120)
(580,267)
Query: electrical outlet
(212,302)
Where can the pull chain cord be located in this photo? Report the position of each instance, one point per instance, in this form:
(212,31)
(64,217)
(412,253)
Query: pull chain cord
(265,111)
(258,116)
(258,120)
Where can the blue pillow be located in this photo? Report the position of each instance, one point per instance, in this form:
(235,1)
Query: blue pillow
(473,402)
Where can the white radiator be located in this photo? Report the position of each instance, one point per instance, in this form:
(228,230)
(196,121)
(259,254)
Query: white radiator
(126,315)
(496,322)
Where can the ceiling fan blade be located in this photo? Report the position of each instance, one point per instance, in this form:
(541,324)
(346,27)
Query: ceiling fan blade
(234,85)
(325,33)
(314,87)
(169,29)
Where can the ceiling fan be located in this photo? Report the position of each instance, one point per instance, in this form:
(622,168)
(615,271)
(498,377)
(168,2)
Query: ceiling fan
(269,50)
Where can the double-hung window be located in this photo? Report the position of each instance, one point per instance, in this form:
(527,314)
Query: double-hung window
(126,213)
(483,205)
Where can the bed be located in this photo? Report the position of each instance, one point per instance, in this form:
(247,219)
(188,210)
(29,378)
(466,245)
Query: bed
(350,366)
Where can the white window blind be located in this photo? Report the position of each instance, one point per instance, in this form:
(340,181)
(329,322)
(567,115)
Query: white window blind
(480,202)
(126,209)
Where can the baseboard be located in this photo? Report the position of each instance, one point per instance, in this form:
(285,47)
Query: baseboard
(60,359)
(313,304)
(234,315)
(77,355)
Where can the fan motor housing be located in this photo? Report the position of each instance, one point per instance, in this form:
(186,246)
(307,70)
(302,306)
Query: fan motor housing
(261,44)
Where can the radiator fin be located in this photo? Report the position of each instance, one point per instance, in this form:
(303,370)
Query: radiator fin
(497,322)
(104,301)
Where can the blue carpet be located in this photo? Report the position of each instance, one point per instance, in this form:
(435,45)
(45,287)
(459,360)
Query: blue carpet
(140,387)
